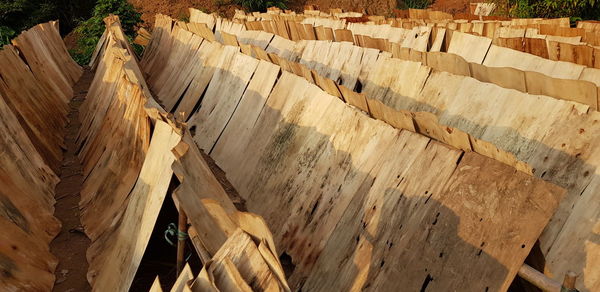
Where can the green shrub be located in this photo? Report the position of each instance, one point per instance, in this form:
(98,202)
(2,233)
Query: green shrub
(583,9)
(90,31)
(261,5)
(19,15)
(416,4)
(6,34)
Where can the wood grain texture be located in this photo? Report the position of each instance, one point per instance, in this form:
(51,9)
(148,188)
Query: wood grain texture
(221,98)
(447,97)
(115,264)
(36,78)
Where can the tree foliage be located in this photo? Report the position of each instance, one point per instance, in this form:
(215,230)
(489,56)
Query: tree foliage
(416,4)
(261,5)
(580,9)
(90,31)
(19,15)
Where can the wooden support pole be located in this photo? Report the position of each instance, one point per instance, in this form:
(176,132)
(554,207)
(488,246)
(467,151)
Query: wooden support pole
(569,281)
(181,231)
(538,279)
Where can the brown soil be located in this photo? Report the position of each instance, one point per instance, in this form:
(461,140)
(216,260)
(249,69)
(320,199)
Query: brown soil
(452,6)
(71,243)
(371,7)
(178,9)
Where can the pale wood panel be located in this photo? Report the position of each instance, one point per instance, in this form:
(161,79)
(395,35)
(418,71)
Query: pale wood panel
(504,57)
(260,39)
(230,146)
(392,78)
(21,160)
(23,206)
(48,59)
(246,258)
(155,286)
(574,90)
(381,235)
(155,54)
(506,77)
(174,78)
(565,253)
(36,75)
(181,284)
(221,98)
(451,63)
(216,220)
(201,17)
(528,105)
(591,75)
(116,261)
(115,143)
(471,48)
(41,113)
(284,48)
(26,262)
(209,55)
(438,41)
(271,165)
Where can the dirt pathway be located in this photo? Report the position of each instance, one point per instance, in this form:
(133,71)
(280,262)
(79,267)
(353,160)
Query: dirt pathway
(71,244)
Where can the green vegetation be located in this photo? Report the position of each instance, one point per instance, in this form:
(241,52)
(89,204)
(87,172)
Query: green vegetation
(90,31)
(6,34)
(417,4)
(19,15)
(261,5)
(580,9)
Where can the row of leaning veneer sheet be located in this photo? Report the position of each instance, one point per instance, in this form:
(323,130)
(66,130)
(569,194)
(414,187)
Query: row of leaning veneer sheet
(236,248)
(125,148)
(465,103)
(306,161)
(36,79)
(128,172)
(318,53)
(471,120)
(550,40)
(564,80)
(586,30)
(531,74)
(420,15)
(416,17)
(539,51)
(186,81)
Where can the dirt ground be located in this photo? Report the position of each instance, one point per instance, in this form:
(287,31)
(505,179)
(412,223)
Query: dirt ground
(71,243)
(178,9)
(452,6)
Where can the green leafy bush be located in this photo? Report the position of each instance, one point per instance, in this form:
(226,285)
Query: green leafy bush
(90,31)
(582,9)
(19,15)
(6,34)
(416,4)
(261,5)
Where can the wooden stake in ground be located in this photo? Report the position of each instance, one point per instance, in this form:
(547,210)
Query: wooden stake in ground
(181,239)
